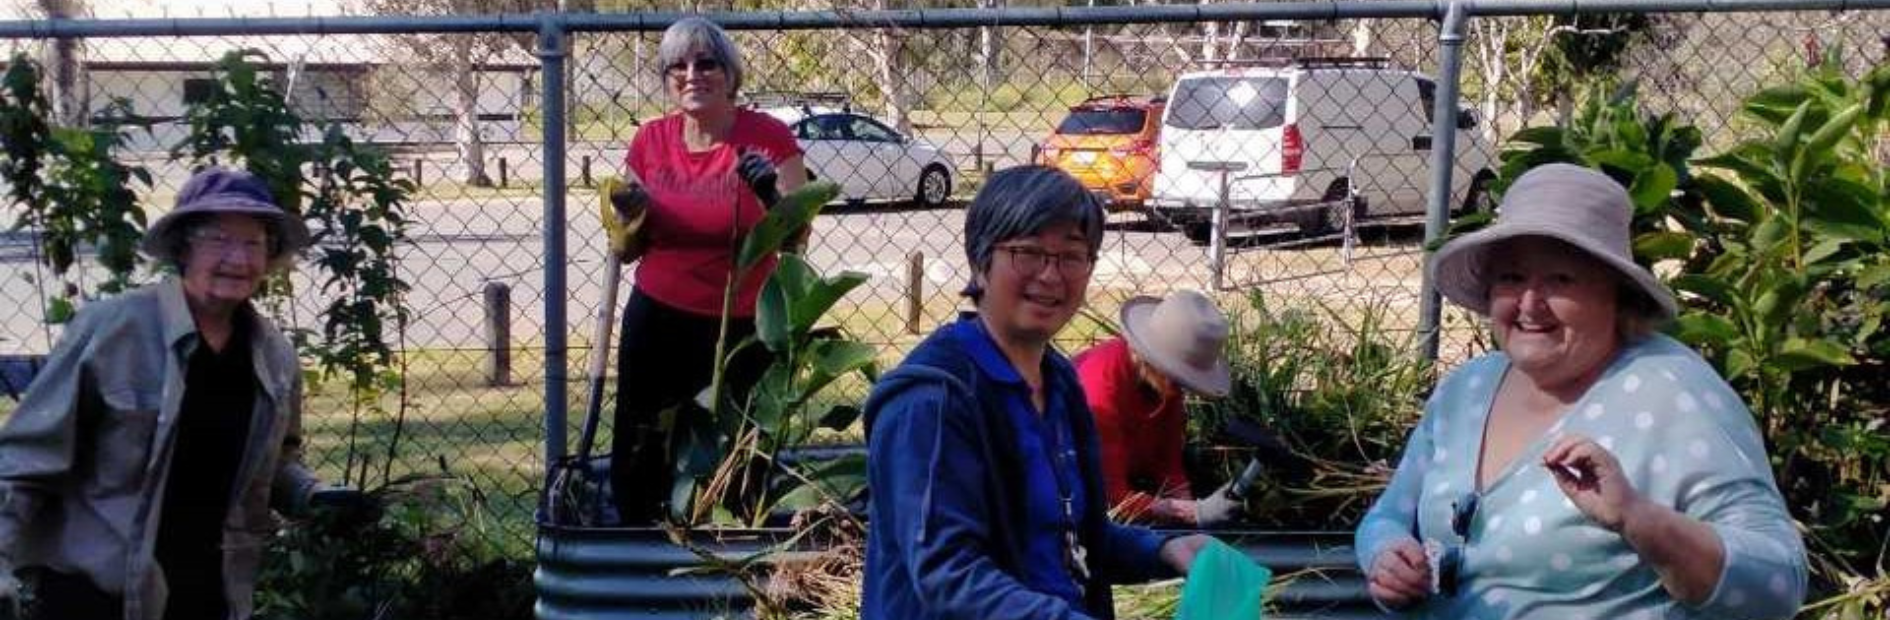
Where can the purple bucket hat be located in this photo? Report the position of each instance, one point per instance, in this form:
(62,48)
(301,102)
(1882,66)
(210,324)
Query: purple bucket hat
(215,190)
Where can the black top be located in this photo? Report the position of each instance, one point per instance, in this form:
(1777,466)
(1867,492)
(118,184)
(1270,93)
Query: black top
(212,431)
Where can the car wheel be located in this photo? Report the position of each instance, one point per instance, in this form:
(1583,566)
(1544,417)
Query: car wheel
(935,186)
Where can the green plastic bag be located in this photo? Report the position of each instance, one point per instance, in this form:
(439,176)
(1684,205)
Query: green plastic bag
(1223,584)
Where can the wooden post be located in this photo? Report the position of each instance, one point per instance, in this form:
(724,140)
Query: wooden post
(585,169)
(504,175)
(915,290)
(418,165)
(498,303)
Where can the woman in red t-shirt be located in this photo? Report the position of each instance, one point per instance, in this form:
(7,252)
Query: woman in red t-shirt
(704,175)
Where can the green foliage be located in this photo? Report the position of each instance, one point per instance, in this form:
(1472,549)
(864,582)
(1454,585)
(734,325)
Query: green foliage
(425,559)
(729,454)
(70,188)
(355,206)
(1341,391)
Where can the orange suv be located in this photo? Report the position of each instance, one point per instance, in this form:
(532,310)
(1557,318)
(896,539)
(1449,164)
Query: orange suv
(1109,143)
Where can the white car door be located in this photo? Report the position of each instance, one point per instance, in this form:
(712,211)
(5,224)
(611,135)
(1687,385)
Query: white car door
(831,154)
(896,175)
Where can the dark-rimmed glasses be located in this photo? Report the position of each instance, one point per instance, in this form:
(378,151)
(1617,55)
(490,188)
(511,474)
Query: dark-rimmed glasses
(1031,261)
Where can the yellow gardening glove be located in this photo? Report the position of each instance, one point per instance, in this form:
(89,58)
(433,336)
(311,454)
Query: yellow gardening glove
(622,207)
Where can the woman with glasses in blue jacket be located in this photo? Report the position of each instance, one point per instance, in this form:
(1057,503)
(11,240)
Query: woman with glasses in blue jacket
(1590,468)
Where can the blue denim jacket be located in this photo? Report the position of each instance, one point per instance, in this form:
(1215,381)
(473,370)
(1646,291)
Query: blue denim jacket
(84,459)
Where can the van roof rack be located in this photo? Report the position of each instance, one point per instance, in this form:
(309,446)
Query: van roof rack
(1303,62)
(800,99)
(1123,98)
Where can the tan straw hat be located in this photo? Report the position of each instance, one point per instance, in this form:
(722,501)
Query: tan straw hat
(1579,206)
(1182,336)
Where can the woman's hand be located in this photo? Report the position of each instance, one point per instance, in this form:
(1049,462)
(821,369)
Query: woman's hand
(1592,479)
(1179,552)
(760,175)
(1400,576)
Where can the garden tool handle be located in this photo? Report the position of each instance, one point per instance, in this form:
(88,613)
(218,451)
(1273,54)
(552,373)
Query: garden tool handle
(600,351)
(1245,482)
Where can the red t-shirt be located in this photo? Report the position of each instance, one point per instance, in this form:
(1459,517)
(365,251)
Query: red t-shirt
(694,199)
(1142,437)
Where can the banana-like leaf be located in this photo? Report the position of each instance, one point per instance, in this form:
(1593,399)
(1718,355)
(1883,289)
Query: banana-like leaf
(776,323)
(1653,187)
(794,212)
(819,297)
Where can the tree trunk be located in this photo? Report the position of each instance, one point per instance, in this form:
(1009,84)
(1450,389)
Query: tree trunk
(1362,38)
(892,79)
(472,148)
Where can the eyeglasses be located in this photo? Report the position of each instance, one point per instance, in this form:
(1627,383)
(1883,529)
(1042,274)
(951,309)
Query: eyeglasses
(1031,261)
(701,65)
(219,243)
(1450,564)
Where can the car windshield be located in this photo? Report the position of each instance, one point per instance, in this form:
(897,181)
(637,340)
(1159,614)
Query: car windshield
(1083,122)
(1232,102)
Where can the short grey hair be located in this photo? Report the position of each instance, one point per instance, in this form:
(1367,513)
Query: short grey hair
(694,34)
(1023,201)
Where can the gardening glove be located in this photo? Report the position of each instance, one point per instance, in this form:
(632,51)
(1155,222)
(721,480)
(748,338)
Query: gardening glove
(350,507)
(1218,508)
(622,211)
(758,172)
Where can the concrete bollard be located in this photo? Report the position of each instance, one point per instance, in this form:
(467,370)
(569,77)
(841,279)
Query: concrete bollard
(498,304)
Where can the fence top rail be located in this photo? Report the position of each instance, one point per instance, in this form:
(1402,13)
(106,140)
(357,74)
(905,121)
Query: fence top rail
(912,19)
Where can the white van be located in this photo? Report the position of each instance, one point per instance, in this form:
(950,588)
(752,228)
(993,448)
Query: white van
(1307,133)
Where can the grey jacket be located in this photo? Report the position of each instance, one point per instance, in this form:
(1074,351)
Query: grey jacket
(85,459)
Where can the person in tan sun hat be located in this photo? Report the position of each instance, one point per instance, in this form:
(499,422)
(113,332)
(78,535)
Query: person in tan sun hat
(1136,384)
(1590,467)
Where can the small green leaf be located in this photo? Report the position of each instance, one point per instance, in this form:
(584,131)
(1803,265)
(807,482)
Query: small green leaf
(1804,354)
(1824,250)
(1700,328)
(1653,187)
(1739,363)
(1785,142)
(1715,289)
(1653,247)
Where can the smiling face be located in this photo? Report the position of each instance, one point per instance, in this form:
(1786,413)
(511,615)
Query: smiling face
(226,260)
(1553,309)
(1027,306)
(698,83)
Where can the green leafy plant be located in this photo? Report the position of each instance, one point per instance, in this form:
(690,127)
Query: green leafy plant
(426,558)
(1340,390)
(71,189)
(727,458)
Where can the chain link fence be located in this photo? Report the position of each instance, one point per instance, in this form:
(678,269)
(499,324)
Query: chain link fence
(1321,129)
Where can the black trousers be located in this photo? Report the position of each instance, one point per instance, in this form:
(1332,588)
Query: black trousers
(665,356)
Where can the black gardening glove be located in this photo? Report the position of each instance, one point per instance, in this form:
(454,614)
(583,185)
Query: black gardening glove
(630,200)
(348,507)
(758,172)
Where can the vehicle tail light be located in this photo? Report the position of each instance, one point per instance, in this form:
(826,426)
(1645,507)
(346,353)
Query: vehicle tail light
(1292,150)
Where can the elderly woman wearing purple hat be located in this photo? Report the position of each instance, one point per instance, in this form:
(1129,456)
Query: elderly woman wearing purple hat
(137,475)
(1591,468)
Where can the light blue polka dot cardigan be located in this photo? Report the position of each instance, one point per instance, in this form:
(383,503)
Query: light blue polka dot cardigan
(1684,439)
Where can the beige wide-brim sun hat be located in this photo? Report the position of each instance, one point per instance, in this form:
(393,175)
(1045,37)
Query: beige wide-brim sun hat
(1183,337)
(1576,205)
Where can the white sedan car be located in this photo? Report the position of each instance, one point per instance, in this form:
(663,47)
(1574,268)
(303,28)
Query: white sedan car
(869,160)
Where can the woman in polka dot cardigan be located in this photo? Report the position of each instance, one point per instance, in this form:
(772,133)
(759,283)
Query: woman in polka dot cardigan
(1591,468)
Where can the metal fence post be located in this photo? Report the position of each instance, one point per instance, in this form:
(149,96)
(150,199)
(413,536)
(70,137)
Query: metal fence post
(1443,164)
(551,46)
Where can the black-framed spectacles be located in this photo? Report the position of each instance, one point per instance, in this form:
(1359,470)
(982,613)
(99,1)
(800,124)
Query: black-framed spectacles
(701,65)
(1450,565)
(1031,260)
